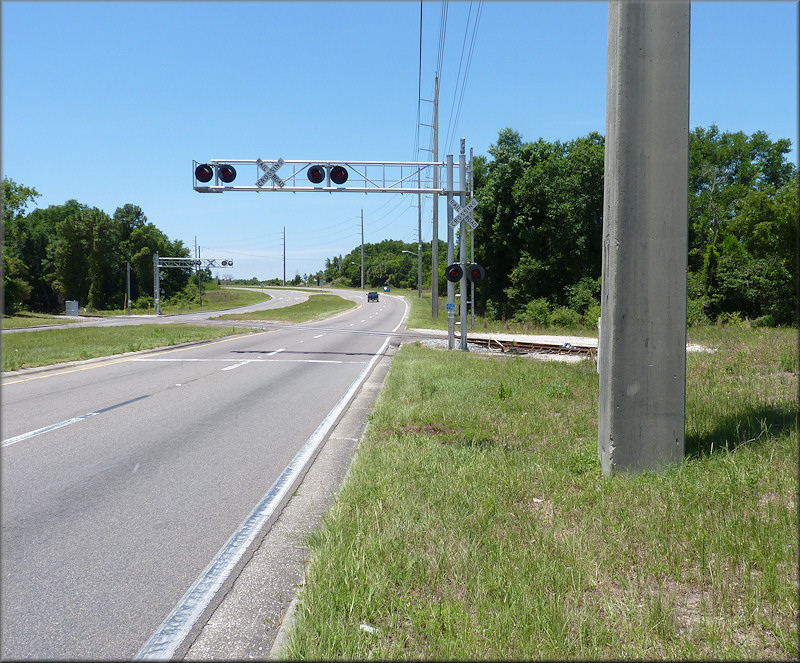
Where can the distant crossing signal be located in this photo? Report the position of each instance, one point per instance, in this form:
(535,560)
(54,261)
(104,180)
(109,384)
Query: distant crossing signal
(227,173)
(205,172)
(338,174)
(316,174)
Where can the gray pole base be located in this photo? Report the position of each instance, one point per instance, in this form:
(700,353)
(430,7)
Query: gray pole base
(642,359)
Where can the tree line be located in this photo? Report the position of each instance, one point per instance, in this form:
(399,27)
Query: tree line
(76,252)
(539,235)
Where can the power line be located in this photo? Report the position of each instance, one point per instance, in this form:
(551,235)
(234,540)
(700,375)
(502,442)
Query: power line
(454,116)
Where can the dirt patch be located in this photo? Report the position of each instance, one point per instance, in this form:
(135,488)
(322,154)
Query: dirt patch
(427,429)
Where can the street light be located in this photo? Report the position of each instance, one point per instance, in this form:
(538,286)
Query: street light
(419,271)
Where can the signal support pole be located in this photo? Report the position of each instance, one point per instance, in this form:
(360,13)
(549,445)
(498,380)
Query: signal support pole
(642,351)
(462,242)
(451,287)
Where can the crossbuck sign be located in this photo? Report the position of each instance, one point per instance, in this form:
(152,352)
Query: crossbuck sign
(463,213)
(269,173)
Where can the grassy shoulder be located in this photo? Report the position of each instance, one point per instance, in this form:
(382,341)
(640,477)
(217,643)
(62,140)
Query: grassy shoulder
(54,346)
(214,298)
(476,522)
(316,307)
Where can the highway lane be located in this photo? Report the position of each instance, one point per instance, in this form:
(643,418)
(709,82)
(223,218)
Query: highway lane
(157,459)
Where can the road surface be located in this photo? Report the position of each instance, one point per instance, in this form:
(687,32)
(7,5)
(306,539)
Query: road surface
(123,479)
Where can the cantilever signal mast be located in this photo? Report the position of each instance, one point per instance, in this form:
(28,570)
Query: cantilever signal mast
(335,176)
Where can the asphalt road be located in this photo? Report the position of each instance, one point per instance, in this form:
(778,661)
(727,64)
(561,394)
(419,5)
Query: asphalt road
(122,479)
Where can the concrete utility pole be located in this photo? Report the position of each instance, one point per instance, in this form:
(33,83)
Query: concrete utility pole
(435,236)
(642,351)
(128,273)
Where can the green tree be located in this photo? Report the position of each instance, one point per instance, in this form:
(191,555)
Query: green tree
(541,218)
(17,287)
(725,170)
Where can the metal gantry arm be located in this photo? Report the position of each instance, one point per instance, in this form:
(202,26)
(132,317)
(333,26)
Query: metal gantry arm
(202,263)
(160,263)
(363,176)
(327,175)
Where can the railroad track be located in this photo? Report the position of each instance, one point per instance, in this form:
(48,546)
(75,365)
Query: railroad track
(524,347)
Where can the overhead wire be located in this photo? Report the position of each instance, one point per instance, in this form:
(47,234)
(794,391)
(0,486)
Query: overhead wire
(452,126)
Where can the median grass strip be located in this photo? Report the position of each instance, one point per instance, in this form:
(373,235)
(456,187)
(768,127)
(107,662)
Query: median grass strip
(476,522)
(27,319)
(53,346)
(315,307)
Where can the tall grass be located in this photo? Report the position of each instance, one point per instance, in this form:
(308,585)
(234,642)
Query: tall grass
(476,522)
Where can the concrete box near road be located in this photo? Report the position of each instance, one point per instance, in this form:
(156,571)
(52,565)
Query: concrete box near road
(72,307)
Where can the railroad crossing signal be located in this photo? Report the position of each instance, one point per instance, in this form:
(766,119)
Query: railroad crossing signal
(453,273)
(463,213)
(204,172)
(336,174)
(475,272)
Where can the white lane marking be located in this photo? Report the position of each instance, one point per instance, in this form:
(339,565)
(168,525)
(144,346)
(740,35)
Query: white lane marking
(47,429)
(67,422)
(263,361)
(241,363)
(405,313)
(274,352)
(319,335)
(174,629)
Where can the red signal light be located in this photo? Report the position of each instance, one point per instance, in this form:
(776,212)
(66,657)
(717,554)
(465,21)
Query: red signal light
(453,273)
(316,174)
(227,173)
(338,175)
(475,273)
(204,172)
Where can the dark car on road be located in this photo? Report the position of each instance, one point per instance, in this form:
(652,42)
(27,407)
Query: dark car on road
(372,296)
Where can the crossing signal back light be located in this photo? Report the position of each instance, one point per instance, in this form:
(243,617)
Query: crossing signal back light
(453,273)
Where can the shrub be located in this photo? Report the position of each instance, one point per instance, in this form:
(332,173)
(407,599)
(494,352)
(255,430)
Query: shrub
(696,312)
(491,311)
(765,321)
(565,317)
(143,301)
(591,315)
(583,294)
(536,312)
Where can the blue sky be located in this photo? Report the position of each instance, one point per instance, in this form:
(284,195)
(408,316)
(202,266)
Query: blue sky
(109,102)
